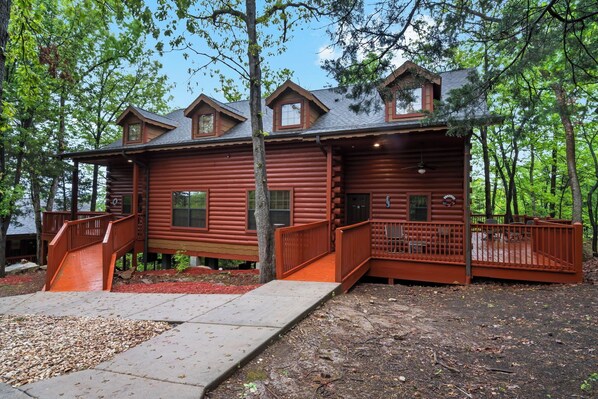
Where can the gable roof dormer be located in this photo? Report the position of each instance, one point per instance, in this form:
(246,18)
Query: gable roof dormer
(425,87)
(210,117)
(294,108)
(141,126)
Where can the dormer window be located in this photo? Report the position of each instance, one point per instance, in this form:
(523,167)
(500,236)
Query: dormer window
(206,124)
(134,132)
(404,107)
(290,115)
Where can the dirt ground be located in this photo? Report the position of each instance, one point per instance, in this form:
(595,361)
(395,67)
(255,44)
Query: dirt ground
(22,283)
(487,340)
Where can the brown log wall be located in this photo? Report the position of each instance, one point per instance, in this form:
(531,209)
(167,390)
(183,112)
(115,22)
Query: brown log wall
(381,173)
(227,176)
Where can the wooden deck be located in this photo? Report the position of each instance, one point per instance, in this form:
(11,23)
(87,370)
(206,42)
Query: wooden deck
(322,270)
(81,270)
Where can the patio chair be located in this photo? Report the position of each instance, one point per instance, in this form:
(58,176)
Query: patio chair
(395,236)
(491,232)
(443,237)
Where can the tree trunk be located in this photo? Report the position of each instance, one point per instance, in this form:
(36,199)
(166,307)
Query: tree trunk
(553,173)
(4,220)
(531,179)
(37,212)
(265,231)
(4,18)
(487,183)
(94,189)
(563,110)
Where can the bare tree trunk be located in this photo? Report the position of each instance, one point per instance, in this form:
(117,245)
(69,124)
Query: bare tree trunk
(531,179)
(487,183)
(37,211)
(4,220)
(265,231)
(94,189)
(553,172)
(562,101)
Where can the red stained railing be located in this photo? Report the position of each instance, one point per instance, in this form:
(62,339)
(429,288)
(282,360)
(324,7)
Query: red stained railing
(119,238)
(353,251)
(74,234)
(418,241)
(297,246)
(544,246)
(52,221)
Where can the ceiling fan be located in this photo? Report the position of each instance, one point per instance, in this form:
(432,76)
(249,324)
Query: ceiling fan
(421,167)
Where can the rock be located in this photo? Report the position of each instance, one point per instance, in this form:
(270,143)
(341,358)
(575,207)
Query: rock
(402,378)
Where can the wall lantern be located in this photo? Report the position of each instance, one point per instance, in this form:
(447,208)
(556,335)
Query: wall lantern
(421,171)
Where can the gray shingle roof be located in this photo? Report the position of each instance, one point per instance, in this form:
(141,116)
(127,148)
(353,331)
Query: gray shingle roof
(154,117)
(340,118)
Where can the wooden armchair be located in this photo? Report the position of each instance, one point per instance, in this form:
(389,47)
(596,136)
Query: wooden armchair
(395,237)
(492,233)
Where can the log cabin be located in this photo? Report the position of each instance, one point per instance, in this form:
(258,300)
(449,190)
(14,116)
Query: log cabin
(383,193)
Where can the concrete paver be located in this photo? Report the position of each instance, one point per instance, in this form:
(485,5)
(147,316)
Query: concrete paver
(218,334)
(183,308)
(9,303)
(259,311)
(96,384)
(191,353)
(8,392)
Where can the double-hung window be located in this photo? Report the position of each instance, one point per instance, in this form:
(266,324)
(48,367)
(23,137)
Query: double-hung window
(280,208)
(189,209)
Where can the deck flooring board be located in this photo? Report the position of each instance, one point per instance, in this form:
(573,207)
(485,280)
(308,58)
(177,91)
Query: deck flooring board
(321,270)
(81,271)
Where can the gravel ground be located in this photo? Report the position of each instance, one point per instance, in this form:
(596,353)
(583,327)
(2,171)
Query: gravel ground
(33,348)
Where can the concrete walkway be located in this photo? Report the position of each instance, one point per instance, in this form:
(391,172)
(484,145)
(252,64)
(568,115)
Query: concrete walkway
(218,334)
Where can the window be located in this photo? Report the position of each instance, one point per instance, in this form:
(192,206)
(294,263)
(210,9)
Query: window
(206,124)
(403,107)
(127,205)
(290,114)
(134,132)
(189,209)
(419,207)
(280,208)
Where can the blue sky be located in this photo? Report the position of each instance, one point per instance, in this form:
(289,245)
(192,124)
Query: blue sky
(305,51)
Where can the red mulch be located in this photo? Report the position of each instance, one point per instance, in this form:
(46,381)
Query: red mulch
(14,279)
(194,271)
(185,287)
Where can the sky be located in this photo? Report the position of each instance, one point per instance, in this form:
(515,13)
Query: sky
(305,52)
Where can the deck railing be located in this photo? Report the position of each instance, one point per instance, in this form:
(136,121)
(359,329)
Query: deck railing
(53,221)
(418,241)
(296,246)
(74,234)
(543,246)
(119,238)
(353,251)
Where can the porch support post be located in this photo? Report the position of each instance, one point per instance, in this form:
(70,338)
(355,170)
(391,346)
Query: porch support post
(135,206)
(467,207)
(329,194)
(75,190)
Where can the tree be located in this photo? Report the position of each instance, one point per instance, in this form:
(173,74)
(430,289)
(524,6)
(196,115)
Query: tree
(236,35)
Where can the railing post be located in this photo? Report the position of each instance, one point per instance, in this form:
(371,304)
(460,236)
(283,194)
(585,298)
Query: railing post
(338,259)
(278,253)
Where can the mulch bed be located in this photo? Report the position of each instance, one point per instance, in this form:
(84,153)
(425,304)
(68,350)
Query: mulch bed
(195,280)
(19,284)
(33,348)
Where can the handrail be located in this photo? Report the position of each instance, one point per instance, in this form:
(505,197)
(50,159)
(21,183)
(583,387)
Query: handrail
(353,252)
(73,234)
(52,221)
(543,246)
(296,246)
(120,236)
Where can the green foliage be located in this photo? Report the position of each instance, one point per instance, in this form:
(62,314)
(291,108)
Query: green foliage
(588,384)
(181,261)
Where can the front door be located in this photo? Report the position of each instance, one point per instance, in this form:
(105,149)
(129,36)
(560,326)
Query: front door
(358,208)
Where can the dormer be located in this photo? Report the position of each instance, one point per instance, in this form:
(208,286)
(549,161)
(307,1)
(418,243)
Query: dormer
(210,117)
(141,126)
(294,108)
(410,91)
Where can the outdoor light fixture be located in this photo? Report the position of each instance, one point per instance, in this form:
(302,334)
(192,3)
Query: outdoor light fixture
(376,145)
(421,171)
(129,161)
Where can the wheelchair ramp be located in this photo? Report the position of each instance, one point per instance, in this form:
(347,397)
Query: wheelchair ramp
(321,270)
(81,270)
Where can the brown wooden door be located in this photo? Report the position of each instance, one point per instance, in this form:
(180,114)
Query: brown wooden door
(358,208)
